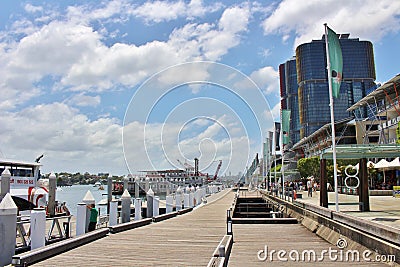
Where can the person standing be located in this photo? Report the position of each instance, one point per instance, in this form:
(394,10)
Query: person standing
(309,187)
(93,217)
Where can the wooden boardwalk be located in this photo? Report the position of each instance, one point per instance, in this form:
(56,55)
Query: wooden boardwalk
(186,240)
(251,238)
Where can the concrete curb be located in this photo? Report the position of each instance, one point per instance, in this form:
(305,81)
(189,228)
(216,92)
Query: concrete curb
(165,216)
(129,225)
(222,260)
(40,254)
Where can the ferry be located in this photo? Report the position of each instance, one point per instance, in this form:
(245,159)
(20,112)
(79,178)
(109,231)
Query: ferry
(166,181)
(26,188)
(162,181)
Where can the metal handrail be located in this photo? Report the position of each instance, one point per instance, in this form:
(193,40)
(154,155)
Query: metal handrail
(59,230)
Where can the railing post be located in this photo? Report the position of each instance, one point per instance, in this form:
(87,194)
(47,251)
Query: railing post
(229,229)
(138,209)
(113,219)
(109,193)
(88,199)
(81,219)
(8,221)
(178,199)
(38,228)
(137,186)
(169,200)
(186,201)
(51,207)
(221,251)
(125,207)
(126,181)
(5,183)
(191,197)
(150,198)
(156,206)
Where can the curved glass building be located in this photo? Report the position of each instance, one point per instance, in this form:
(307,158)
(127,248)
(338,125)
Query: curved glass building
(313,95)
(289,97)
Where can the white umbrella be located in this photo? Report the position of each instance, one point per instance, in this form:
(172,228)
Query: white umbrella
(394,164)
(382,164)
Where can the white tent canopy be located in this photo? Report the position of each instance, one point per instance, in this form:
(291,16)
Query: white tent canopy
(394,164)
(382,164)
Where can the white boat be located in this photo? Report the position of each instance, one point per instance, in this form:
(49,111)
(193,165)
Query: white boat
(26,188)
(97,184)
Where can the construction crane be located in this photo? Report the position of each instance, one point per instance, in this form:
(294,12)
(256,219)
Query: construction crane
(218,168)
(190,169)
(187,166)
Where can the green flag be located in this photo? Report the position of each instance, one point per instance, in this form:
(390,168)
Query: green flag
(398,133)
(336,61)
(285,125)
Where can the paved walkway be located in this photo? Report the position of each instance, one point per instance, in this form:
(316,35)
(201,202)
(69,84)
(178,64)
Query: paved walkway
(185,240)
(384,209)
(249,239)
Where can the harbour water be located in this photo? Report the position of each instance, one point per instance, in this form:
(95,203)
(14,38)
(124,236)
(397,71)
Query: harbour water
(73,195)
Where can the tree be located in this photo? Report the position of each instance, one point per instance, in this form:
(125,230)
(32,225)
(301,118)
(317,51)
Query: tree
(308,167)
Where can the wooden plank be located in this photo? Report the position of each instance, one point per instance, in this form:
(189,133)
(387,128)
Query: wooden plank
(249,239)
(185,240)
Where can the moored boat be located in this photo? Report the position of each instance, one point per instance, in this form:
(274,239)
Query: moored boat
(26,188)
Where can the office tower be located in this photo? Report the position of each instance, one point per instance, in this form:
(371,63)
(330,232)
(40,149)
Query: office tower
(313,94)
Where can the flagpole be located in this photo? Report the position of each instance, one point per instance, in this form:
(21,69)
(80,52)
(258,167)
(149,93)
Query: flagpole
(332,119)
(282,158)
(275,167)
(269,169)
(277,188)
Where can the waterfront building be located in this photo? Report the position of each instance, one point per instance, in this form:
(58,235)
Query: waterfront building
(289,97)
(313,93)
(381,124)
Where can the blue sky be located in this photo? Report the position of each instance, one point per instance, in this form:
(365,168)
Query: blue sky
(102,86)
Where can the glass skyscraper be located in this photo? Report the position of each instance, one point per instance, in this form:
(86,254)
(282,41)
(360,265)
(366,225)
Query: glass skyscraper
(312,86)
(289,99)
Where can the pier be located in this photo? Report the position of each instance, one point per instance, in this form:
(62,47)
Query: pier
(185,240)
(262,227)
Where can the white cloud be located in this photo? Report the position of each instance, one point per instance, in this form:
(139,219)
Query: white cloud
(267,79)
(32,9)
(276,112)
(159,11)
(216,43)
(368,19)
(157,145)
(57,56)
(75,57)
(69,140)
(83,100)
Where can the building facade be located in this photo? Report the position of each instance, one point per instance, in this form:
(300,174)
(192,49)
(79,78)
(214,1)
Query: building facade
(312,86)
(289,96)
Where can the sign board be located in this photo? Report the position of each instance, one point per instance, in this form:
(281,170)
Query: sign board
(18,181)
(396,191)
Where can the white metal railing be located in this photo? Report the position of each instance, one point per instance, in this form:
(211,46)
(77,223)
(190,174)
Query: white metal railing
(58,229)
